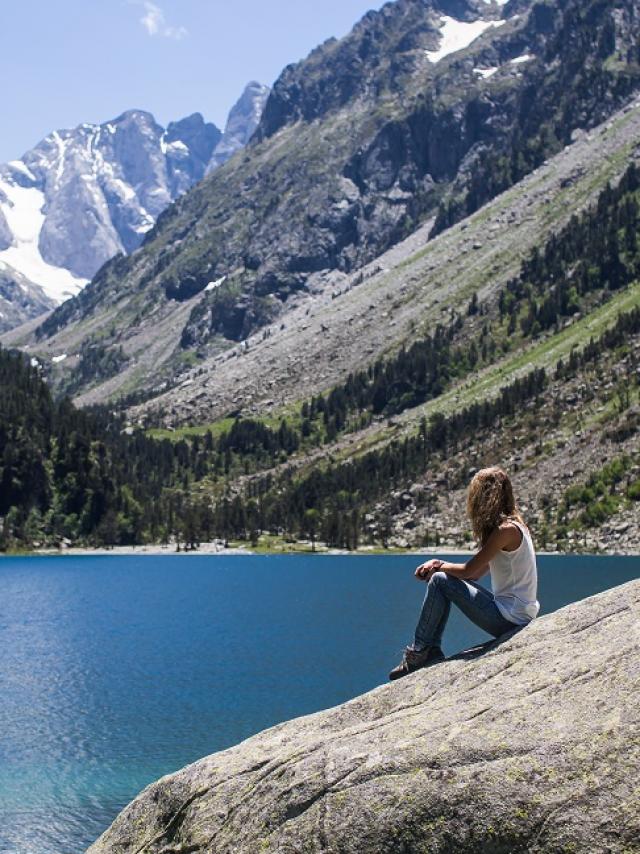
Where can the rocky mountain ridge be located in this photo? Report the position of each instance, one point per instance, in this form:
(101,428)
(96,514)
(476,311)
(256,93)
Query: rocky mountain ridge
(486,752)
(359,145)
(585,416)
(241,124)
(83,196)
(351,319)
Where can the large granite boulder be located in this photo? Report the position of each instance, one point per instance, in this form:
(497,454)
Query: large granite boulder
(534,746)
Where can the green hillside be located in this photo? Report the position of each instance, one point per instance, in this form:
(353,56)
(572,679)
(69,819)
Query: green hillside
(551,356)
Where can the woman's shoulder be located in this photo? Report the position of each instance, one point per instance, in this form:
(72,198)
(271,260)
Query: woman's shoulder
(512,525)
(511,534)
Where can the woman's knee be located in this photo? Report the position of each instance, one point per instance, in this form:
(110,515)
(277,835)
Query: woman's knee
(438,579)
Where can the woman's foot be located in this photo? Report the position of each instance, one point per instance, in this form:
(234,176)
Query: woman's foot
(414,660)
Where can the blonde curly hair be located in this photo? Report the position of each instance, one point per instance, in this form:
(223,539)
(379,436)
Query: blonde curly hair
(490,501)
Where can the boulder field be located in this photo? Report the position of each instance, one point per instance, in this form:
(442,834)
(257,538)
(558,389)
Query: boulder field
(532,746)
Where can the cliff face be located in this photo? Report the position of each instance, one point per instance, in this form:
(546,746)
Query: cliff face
(241,123)
(534,746)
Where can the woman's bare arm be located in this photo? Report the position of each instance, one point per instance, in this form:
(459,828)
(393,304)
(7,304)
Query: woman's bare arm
(505,538)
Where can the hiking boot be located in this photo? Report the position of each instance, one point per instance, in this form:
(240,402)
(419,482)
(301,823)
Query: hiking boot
(414,660)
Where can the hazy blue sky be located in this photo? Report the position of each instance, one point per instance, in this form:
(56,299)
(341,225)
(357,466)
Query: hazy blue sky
(64,62)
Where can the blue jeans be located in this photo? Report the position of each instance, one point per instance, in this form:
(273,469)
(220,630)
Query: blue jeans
(475,601)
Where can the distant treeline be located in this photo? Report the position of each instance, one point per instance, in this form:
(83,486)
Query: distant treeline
(337,495)
(78,475)
(69,474)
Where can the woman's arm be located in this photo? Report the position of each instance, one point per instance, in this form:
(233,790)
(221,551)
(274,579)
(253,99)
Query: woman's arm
(459,570)
(506,537)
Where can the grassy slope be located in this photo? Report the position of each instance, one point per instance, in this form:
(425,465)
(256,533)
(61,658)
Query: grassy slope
(482,385)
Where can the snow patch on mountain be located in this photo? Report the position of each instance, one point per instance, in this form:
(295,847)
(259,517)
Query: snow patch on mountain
(19,166)
(22,208)
(213,285)
(59,160)
(456,35)
(485,73)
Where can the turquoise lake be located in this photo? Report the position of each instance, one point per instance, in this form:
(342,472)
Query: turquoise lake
(117,670)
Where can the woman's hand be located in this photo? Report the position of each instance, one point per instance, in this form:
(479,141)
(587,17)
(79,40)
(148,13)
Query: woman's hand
(426,570)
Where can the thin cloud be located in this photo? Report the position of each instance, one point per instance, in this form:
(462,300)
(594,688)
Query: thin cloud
(155,23)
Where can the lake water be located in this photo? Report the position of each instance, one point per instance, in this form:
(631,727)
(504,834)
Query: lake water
(117,670)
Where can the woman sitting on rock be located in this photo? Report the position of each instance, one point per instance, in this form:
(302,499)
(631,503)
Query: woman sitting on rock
(506,551)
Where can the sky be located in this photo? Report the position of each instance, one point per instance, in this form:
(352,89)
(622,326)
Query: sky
(64,62)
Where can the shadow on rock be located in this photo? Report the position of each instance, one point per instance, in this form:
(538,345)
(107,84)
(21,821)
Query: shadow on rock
(482,648)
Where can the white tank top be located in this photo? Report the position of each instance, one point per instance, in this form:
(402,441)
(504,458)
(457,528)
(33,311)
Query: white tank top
(514,580)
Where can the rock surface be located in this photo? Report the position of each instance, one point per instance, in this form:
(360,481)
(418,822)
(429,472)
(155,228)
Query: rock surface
(20,299)
(241,123)
(534,746)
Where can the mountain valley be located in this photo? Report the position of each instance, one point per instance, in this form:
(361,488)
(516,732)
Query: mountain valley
(424,261)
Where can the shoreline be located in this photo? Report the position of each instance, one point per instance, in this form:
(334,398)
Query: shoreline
(217,548)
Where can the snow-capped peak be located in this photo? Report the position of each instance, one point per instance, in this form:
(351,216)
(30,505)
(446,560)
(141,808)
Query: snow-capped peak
(83,195)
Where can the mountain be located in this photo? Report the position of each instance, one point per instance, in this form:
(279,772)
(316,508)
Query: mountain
(426,110)
(520,330)
(20,299)
(82,196)
(241,123)
(120,175)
